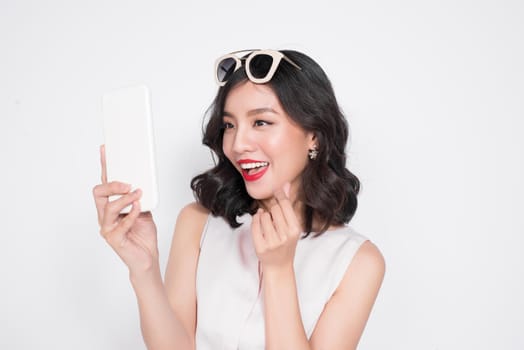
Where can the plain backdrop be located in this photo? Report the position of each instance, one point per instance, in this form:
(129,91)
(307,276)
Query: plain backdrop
(434,94)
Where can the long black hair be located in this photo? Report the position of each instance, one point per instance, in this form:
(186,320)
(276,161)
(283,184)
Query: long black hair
(329,190)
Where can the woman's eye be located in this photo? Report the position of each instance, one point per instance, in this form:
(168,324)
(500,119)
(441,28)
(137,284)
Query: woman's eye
(261,123)
(227,125)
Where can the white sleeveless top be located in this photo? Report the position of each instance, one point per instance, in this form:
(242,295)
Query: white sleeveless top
(230,313)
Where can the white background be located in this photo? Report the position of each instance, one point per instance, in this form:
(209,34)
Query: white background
(434,94)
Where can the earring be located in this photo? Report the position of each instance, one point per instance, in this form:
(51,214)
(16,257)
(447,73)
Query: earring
(313,153)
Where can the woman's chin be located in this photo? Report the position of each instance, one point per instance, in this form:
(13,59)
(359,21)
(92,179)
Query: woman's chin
(259,194)
(260,197)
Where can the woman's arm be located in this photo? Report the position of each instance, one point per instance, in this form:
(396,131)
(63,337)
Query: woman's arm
(133,237)
(161,327)
(284,327)
(180,278)
(343,320)
(168,312)
(275,234)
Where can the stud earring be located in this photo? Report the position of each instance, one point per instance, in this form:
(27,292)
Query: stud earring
(313,153)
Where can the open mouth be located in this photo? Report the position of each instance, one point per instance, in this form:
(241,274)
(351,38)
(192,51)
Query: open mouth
(253,170)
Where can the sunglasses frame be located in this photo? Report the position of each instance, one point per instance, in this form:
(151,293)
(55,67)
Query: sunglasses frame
(277,56)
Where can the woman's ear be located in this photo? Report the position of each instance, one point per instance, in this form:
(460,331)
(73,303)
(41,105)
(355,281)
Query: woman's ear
(312,140)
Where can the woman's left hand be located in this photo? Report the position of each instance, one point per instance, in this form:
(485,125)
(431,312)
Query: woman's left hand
(276,232)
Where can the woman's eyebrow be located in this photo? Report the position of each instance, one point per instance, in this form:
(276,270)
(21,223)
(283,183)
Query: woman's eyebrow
(252,112)
(227,114)
(261,111)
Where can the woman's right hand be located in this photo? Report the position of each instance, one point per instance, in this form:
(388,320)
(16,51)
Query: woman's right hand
(132,236)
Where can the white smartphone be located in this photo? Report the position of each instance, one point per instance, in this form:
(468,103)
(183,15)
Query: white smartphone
(129,142)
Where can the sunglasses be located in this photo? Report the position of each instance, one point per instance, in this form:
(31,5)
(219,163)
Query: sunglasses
(260,65)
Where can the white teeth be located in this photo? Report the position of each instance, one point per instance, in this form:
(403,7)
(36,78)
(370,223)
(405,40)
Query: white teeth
(253,165)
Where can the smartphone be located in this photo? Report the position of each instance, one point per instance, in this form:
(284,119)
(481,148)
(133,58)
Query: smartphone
(129,142)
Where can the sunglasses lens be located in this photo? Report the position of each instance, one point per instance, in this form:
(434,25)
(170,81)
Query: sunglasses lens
(260,65)
(225,68)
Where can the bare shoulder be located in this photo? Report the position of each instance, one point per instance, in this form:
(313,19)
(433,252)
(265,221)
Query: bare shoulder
(193,212)
(368,260)
(363,276)
(344,318)
(191,220)
(185,244)
(194,208)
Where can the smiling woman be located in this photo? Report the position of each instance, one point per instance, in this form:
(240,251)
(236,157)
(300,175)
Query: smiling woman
(301,93)
(266,251)
(256,131)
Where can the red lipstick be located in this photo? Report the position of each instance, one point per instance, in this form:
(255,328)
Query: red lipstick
(253,176)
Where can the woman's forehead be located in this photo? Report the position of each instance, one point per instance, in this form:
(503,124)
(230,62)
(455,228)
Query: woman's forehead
(249,96)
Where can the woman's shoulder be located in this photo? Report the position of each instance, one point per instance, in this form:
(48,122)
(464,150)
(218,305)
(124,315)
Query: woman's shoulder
(193,211)
(357,253)
(367,255)
(191,221)
(369,259)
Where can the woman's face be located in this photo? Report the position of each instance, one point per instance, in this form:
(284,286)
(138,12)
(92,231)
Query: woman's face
(262,142)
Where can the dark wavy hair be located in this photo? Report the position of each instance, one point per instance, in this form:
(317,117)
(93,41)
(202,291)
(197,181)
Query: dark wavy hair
(329,190)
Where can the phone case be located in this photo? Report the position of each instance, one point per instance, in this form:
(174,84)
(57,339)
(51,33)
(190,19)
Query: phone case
(129,142)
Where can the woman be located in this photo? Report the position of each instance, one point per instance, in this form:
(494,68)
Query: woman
(265,252)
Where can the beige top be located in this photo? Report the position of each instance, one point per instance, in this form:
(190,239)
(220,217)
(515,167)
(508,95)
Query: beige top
(229,304)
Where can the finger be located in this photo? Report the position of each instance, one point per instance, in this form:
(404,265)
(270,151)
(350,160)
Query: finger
(103,163)
(279,222)
(118,237)
(270,233)
(114,208)
(111,189)
(256,232)
(288,212)
(128,221)
(103,191)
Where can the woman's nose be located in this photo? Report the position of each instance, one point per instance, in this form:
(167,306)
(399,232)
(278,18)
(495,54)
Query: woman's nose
(243,141)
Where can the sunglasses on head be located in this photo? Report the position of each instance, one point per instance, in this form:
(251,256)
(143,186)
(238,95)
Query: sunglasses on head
(260,65)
